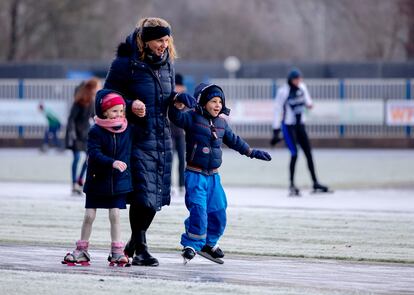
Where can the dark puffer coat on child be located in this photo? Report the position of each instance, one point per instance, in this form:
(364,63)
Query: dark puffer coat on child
(104,147)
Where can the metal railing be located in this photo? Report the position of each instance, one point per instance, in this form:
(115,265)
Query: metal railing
(237,90)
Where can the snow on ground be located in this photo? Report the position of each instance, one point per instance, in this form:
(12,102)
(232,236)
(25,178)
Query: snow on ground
(368,218)
(339,168)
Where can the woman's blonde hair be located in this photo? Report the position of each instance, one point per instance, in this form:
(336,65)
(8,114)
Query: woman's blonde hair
(154,22)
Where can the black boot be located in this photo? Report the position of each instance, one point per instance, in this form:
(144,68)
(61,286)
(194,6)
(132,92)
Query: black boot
(130,247)
(142,256)
(319,188)
(294,191)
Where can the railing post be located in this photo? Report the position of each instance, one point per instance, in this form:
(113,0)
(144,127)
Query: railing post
(341,97)
(274,88)
(408,96)
(21,96)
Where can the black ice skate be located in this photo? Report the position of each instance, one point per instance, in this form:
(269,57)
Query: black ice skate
(294,191)
(188,253)
(319,188)
(212,253)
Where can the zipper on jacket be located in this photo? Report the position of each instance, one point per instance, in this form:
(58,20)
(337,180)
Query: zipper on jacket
(193,152)
(214,136)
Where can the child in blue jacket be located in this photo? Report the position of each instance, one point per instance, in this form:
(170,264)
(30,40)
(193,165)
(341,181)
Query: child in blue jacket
(108,179)
(205,132)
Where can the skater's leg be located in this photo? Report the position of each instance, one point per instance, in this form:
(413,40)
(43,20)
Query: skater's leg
(88,219)
(196,203)
(54,131)
(180,148)
(74,171)
(82,173)
(292,168)
(114,220)
(140,220)
(290,136)
(216,208)
(304,143)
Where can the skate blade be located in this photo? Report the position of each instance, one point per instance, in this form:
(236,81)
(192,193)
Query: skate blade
(119,264)
(209,257)
(83,263)
(316,192)
(185,261)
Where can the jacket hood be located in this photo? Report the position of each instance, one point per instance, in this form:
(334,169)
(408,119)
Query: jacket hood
(98,101)
(129,48)
(202,89)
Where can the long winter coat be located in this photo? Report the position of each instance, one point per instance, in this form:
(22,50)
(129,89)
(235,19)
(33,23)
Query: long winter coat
(152,83)
(104,147)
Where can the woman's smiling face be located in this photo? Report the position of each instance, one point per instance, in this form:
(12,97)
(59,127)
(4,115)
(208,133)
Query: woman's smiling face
(158,46)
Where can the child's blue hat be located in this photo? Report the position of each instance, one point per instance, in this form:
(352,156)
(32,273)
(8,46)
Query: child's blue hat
(204,92)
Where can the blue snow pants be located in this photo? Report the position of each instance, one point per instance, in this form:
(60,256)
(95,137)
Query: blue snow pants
(206,201)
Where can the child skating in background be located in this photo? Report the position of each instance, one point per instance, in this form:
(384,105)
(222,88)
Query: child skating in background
(108,179)
(205,199)
(53,127)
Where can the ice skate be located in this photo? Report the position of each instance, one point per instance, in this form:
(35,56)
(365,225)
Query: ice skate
(212,253)
(118,259)
(79,256)
(188,253)
(319,188)
(117,256)
(294,191)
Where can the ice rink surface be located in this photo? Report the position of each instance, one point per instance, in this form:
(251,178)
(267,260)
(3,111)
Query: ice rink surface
(358,240)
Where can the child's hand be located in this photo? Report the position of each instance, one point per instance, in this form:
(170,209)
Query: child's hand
(138,108)
(179,105)
(261,155)
(121,166)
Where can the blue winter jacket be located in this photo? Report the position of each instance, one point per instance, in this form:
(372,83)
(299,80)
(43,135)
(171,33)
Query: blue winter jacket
(104,147)
(203,150)
(152,83)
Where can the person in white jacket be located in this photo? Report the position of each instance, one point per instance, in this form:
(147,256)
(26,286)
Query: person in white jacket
(291,101)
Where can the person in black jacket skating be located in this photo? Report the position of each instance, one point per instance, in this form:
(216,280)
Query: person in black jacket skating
(143,71)
(108,178)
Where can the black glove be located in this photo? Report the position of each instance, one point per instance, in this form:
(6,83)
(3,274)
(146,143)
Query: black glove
(187,100)
(261,155)
(275,138)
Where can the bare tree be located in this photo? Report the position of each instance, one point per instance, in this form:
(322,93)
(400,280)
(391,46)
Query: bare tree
(406,8)
(314,30)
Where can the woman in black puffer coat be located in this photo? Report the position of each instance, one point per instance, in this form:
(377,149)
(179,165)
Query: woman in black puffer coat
(143,72)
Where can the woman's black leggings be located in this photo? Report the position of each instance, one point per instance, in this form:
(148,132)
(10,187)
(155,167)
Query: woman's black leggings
(293,135)
(140,218)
